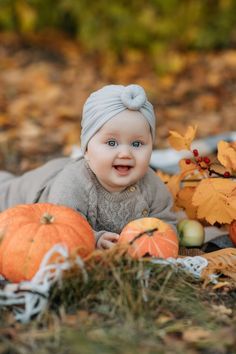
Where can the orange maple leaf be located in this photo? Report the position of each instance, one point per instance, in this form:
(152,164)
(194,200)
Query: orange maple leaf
(186,168)
(215,199)
(174,186)
(190,174)
(182,142)
(227,155)
(165,177)
(184,201)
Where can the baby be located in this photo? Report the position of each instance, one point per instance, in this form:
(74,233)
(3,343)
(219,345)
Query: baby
(111,183)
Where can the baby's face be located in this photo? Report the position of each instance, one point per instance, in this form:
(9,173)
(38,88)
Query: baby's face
(119,153)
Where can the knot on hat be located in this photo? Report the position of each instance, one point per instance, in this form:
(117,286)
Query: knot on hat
(133,97)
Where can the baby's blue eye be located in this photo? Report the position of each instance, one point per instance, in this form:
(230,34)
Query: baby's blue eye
(111,143)
(136,143)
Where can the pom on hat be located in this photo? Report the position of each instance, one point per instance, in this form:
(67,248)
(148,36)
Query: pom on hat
(133,97)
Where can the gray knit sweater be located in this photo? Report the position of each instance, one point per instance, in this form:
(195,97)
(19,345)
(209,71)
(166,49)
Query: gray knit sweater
(72,183)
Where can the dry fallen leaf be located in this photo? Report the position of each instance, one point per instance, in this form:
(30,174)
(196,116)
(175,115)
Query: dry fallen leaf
(165,177)
(222,261)
(195,334)
(222,310)
(163,319)
(227,155)
(190,174)
(182,142)
(215,199)
(221,284)
(186,169)
(184,201)
(174,185)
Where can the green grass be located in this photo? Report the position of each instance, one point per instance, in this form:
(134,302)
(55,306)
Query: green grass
(118,305)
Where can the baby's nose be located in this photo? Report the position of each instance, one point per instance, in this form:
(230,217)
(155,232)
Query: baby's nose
(124,151)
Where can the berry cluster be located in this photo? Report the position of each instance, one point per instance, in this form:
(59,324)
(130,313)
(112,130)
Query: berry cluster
(204,164)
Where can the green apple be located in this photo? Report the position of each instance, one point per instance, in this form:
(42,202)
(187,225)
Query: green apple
(191,233)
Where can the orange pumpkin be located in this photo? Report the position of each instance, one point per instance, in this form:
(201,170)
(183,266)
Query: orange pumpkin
(232,231)
(28,231)
(149,236)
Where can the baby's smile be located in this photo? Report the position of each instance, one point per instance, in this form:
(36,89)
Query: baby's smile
(122,169)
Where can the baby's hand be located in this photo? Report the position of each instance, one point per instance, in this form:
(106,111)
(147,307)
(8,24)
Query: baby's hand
(107,240)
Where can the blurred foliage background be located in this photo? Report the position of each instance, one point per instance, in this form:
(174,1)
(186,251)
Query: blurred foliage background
(54,53)
(113,26)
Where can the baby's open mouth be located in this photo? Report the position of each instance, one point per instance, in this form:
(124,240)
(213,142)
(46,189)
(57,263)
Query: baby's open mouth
(121,168)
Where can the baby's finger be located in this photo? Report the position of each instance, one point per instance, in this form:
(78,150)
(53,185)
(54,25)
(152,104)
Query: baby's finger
(107,244)
(111,236)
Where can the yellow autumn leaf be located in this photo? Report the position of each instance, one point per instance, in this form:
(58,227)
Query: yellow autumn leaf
(227,155)
(186,168)
(215,199)
(184,201)
(174,186)
(192,180)
(165,177)
(196,334)
(189,176)
(182,142)
(191,169)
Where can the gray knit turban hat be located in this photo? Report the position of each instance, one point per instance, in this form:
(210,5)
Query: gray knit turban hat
(104,104)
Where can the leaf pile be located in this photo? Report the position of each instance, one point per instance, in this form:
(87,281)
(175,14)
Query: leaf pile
(204,189)
(45,79)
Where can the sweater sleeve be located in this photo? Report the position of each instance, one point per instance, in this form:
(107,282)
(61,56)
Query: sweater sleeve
(70,188)
(160,200)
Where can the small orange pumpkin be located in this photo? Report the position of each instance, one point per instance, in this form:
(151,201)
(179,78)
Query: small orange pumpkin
(149,236)
(232,231)
(28,231)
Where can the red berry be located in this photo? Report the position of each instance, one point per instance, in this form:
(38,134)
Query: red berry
(207,160)
(195,152)
(226,174)
(187,161)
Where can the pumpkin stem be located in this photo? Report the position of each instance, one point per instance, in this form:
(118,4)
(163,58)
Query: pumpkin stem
(147,232)
(47,218)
